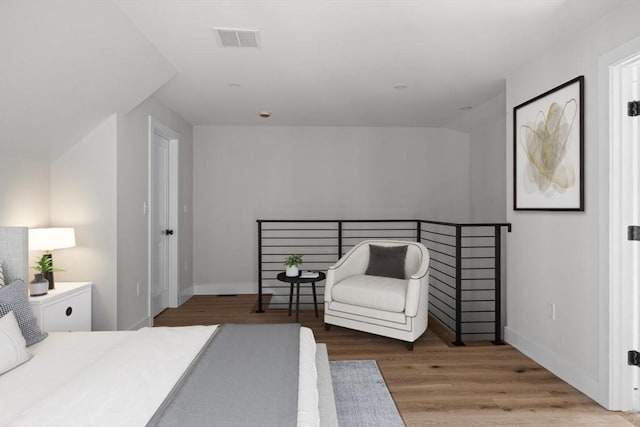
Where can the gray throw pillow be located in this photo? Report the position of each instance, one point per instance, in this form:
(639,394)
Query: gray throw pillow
(387,261)
(14,297)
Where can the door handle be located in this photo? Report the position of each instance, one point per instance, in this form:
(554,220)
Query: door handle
(168,232)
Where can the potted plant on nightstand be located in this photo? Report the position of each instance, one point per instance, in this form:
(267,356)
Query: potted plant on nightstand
(292,262)
(39,285)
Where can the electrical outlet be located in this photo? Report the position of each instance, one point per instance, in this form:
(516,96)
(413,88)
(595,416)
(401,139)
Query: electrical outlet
(185,209)
(144,208)
(138,289)
(552,311)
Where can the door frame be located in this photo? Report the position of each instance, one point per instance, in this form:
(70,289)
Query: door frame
(173,136)
(615,299)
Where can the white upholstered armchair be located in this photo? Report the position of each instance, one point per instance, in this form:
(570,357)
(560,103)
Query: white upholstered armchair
(359,296)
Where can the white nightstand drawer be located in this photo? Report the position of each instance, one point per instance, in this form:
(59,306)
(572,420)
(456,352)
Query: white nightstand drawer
(68,314)
(65,308)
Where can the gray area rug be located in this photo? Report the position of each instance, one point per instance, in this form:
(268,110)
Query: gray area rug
(362,397)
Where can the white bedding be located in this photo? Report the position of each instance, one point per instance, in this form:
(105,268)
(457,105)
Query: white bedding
(118,378)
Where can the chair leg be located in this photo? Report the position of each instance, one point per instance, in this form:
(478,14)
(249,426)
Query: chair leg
(327,326)
(410,346)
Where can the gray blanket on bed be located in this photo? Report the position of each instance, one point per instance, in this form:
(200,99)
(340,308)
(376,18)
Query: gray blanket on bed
(246,376)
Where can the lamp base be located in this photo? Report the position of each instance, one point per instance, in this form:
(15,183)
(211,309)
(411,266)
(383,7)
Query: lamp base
(49,275)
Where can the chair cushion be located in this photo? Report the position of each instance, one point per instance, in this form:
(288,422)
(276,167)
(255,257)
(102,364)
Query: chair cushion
(387,261)
(370,315)
(380,293)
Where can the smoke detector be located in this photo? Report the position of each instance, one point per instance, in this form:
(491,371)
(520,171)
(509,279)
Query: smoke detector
(238,37)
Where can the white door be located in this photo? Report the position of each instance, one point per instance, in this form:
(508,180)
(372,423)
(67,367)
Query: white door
(631,136)
(160,228)
(620,72)
(625,217)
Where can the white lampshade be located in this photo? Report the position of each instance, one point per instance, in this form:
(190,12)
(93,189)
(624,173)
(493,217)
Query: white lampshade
(48,239)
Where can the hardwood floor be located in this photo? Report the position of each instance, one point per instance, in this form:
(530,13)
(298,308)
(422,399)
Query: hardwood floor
(434,385)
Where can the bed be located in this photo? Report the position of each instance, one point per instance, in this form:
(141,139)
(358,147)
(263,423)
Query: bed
(197,375)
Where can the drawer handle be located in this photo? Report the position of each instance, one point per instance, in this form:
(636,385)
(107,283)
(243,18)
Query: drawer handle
(68,311)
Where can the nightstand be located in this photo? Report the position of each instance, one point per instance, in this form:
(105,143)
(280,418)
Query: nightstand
(65,308)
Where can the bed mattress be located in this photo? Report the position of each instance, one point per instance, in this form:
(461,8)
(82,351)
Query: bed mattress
(72,373)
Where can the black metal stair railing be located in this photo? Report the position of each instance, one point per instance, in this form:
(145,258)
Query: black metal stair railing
(465,273)
(465,278)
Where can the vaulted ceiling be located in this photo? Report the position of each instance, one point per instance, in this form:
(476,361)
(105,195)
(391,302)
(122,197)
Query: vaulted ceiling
(66,65)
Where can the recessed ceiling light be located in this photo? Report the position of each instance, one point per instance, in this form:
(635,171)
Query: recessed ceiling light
(400,86)
(466,108)
(264,114)
(234,84)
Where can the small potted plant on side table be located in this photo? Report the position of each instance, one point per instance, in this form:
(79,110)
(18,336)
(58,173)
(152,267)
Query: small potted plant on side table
(40,285)
(292,262)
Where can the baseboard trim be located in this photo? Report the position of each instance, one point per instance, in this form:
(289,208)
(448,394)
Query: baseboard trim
(141,324)
(184,295)
(225,288)
(554,363)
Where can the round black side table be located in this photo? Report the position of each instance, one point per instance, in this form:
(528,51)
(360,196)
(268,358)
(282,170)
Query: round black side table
(297,280)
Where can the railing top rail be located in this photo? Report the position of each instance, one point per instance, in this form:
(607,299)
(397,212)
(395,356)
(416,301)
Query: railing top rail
(337,220)
(451,224)
(470,224)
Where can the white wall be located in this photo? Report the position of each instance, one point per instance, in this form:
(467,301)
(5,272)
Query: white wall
(133,178)
(25,194)
(83,196)
(245,173)
(553,257)
(99,187)
(485,125)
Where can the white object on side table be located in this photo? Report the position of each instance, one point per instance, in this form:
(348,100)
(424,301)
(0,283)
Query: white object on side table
(65,308)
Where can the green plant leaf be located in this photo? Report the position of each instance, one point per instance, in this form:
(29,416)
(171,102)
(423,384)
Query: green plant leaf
(293,260)
(44,264)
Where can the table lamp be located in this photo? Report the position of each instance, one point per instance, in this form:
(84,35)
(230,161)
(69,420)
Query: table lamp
(50,239)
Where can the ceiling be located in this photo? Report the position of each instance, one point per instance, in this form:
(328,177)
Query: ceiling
(67,65)
(336,62)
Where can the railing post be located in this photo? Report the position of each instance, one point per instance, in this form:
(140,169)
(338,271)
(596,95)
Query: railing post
(458,341)
(498,285)
(419,231)
(260,310)
(339,240)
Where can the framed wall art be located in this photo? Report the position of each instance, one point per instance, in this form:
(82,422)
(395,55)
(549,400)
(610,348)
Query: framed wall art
(548,150)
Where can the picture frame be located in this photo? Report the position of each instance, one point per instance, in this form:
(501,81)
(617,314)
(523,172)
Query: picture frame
(548,150)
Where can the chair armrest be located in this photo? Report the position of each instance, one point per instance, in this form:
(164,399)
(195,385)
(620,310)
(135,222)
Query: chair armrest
(414,287)
(422,271)
(419,279)
(354,262)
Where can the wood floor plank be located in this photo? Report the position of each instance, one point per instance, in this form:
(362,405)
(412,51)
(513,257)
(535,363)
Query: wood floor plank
(436,384)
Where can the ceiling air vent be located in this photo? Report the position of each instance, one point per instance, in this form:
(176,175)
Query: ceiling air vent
(237,37)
